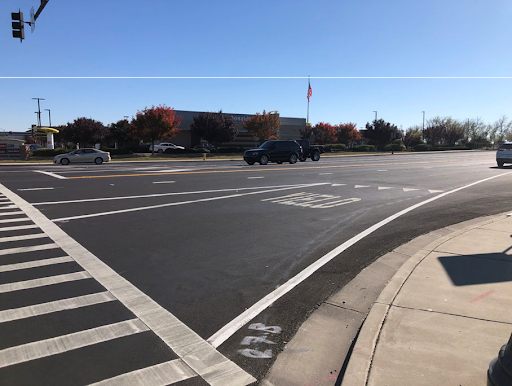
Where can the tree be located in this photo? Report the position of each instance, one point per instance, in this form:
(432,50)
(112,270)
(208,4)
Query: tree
(119,131)
(306,132)
(435,131)
(499,129)
(413,136)
(347,132)
(453,132)
(264,126)
(216,128)
(325,133)
(85,131)
(154,124)
(380,133)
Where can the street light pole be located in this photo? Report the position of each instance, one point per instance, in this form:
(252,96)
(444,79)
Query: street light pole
(49,117)
(375,116)
(39,111)
(423,130)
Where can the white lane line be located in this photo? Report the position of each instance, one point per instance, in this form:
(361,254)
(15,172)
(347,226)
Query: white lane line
(229,329)
(324,174)
(204,359)
(254,178)
(18,228)
(22,190)
(55,306)
(35,263)
(161,195)
(178,203)
(14,220)
(162,374)
(3,204)
(23,237)
(361,186)
(11,206)
(51,174)
(12,251)
(338,184)
(409,189)
(435,191)
(382,170)
(164,182)
(35,283)
(385,187)
(18,212)
(44,348)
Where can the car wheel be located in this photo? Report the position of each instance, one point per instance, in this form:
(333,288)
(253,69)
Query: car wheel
(293,158)
(500,163)
(315,156)
(98,161)
(160,151)
(303,158)
(250,162)
(64,161)
(264,159)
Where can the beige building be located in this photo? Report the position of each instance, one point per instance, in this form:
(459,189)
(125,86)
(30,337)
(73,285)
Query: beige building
(290,129)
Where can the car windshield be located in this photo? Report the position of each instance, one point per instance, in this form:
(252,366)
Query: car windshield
(267,145)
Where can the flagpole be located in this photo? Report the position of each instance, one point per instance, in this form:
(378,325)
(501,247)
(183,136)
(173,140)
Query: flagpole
(307,119)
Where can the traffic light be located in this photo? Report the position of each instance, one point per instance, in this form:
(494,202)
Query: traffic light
(18,28)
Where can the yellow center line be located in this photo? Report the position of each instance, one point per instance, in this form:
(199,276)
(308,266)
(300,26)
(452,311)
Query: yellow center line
(269,170)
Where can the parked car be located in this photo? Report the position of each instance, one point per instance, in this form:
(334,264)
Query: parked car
(504,154)
(274,151)
(82,155)
(310,151)
(162,147)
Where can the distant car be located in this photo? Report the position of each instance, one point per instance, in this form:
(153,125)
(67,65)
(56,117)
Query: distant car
(274,151)
(162,147)
(504,154)
(82,155)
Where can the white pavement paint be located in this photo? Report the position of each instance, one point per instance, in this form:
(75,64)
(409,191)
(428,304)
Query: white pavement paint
(324,174)
(204,359)
(18,228)
(35,283)
(43,247)
(436,191)
(229,329)
(159,375)
(338,184)
(361,186)
(382,170)
(51,174)
(56,306)
(11,206)
(14,220)
(21,190)
(43,348)
(163,195)
(36,263)
(18,212)
(164,182)
(254,178)
(23,237)
(409,189)
(181,203)
(385,187)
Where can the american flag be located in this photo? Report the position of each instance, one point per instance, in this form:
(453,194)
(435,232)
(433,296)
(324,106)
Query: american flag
(310,91)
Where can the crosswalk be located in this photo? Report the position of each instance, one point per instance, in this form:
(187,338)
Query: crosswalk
(67,318)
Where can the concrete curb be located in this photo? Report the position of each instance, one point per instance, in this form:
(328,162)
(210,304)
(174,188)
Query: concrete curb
(361,358)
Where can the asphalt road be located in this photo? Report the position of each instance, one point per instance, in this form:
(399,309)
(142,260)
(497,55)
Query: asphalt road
(207,241)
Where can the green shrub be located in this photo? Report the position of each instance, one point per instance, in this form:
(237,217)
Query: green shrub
(393,147)
(422,147)
(49,152)
(366,148)
(442,148)
(335,147)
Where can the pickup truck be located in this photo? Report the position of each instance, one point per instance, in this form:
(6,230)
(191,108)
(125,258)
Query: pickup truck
(310,151)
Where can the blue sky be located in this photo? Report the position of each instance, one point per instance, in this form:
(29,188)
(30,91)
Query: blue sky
(280,42)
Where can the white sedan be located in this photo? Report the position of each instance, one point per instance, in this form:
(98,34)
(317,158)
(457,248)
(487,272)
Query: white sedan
(82,155)
(161,147)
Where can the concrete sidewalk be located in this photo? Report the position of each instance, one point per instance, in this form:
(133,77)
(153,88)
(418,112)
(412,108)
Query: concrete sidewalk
(444,315)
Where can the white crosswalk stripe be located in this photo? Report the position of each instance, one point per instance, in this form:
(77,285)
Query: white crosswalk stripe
(21,285)
(12,251)
(34,264)
(23,237)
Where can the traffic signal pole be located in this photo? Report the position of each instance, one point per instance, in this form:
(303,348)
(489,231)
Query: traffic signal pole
(18,27)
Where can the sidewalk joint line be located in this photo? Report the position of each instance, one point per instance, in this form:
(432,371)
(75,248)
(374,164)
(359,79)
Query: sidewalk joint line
(345,308)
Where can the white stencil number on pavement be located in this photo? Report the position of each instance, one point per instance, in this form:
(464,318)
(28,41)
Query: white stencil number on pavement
(312,200)
(262,338)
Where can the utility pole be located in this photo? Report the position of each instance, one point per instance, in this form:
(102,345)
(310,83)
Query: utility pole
(39,111)
(49,116)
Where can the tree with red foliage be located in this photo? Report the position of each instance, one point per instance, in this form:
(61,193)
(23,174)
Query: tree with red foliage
(347,132)
(324,133)
(264,126)
(154,124)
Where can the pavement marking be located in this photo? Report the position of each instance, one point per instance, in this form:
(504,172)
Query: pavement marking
(197,353)
(180,203)
(14,220)
(385,187)
(35,263)
(51,174)
(409,189)
(311,200)
(44,348)
(21,190)
(18,228)
(164,182)
(23,237)
(161,195)
(435,191)
(481,296)
(229,329)
(162,374)
(35,283)
(382,170)
(55,306)
(254,178)
(43,247)
(11,206)
(324,174)
(361,186)
(18,212)
(338,184)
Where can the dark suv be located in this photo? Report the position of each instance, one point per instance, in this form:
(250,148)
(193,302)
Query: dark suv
(274,151)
